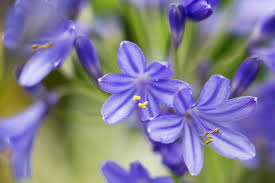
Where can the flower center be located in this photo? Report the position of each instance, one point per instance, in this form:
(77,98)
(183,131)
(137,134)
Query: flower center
(140,105)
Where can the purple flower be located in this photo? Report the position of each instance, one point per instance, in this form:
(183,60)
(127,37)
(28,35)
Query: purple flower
(198,10)
(266,54)
(245,75)
(18,132)
(88,57)
(197,121)
(137,86)
(113,173)
(177,18)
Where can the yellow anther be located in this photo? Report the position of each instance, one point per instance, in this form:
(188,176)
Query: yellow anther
(34,47)
(216,130)
(208,141)
(206,133)
(46,46)
(136,98)
(209,137)
(143,105)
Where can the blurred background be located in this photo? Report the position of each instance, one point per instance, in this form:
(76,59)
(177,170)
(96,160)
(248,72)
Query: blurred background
(74,141)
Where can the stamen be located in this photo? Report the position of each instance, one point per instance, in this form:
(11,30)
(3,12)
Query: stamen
(143,105)
(209,137)
(208,141)
(206,133)
(216,130)
(46,46)
(34,47)
(136,98)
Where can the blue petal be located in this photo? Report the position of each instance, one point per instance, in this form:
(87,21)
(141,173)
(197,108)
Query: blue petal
(215,92)
(130,59)
(232,144)
(213,2)
(119,107)
(233,110)
(165,129)
(199,10)
(165,90)
(183,101)
(152,109)
(162,180)
(192,149)
(138,172)
(88,57)
(116,83)
(113,173)
(159,70)
(46,60)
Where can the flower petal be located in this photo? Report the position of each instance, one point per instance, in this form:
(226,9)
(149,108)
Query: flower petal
(183,101)
(165,129)
(165,90)
(162,180)
(152,109)
(113,173)
(232,144)
(137,171)
(213,2)
(192,149)
(215,92)
(46,60)
(233,110)
(119,107)
(130,59)
(116,83)
(159,70)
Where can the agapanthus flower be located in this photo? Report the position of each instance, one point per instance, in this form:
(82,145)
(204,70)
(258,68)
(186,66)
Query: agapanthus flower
(200,123)
(198,10)
(137,87)
(177,18)
(18,133)
(113,173)
(266,54)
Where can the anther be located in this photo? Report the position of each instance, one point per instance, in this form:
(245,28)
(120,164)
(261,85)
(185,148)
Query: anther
(136,98)
(208,141)
(216,130)
(206,133)
(209,137)
(143,105)
(34,47)
(46,46)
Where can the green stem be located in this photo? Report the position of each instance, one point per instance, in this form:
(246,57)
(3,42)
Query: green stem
(177,63)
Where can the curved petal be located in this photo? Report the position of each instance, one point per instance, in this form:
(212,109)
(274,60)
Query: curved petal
(162,180)
(192,149)
(213,2)
(119,107)
(113,173)
(46,60)
(18,124)
(183,101)
(165,90)
(165,129)
(137,171)
(232,144)
(152,109)
(130,59)
(215,92)
(233,110)
(115,83)
(159,70)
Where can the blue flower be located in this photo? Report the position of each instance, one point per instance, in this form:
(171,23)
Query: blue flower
(137,86)
(197,121)
(18,132)
(245,75)
(177,18)
(198,10)
(113,173)
(49,52)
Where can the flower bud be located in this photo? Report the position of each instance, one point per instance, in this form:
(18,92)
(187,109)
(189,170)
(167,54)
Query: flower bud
(267,26)
(177,18)
(198,10)
(88,57)
(245,75)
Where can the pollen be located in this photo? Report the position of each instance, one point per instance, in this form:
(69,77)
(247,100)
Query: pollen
(216,130)
(46,46)
(206,133)
(208,141)
(143,105)
(136,98)
(209,137)
(34,47)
